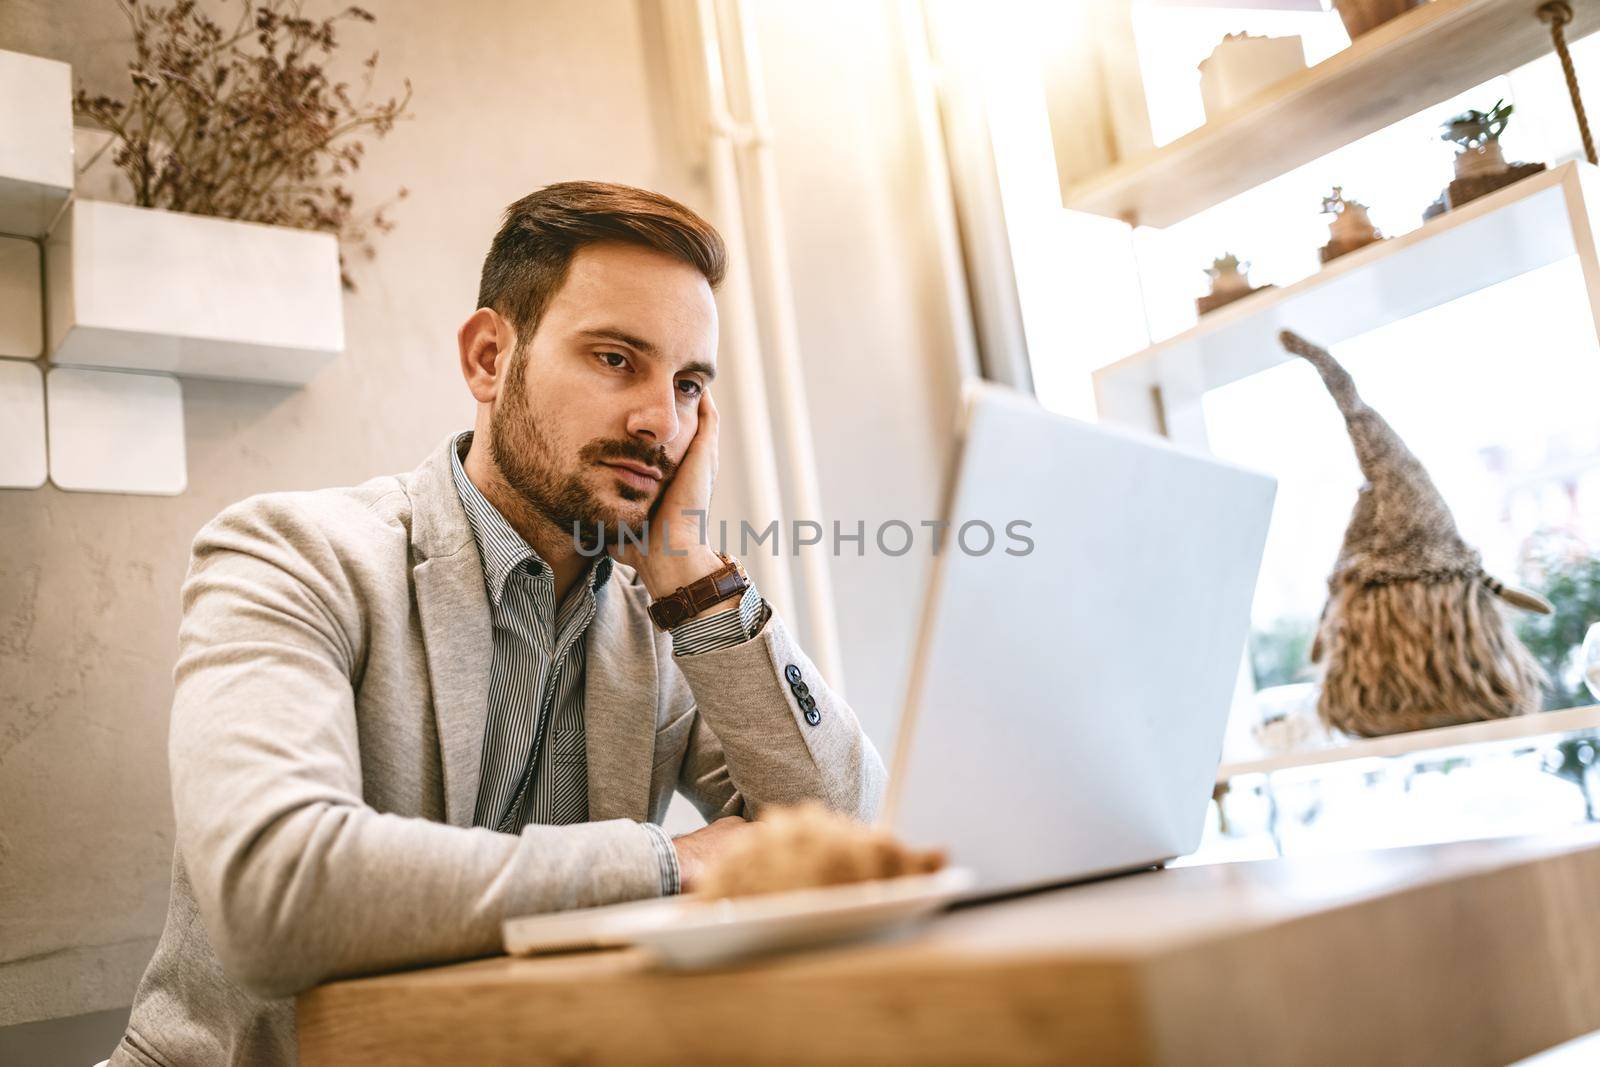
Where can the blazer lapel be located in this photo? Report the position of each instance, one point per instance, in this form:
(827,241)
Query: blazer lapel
(619,706)
(458,638)
(457,632)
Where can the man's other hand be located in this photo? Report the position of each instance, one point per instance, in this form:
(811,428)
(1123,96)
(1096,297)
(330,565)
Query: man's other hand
(700,849)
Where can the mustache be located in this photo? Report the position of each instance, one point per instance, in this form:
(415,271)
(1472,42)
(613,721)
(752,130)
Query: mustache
(632,451)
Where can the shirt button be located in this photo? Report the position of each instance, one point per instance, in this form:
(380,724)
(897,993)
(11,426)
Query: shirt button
(792,673)
(813,716)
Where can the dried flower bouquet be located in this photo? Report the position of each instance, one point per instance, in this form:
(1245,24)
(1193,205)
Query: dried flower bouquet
(247,122)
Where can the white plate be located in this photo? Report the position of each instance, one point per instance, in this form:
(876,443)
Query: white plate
(609,926)
(687,932)
(710,932)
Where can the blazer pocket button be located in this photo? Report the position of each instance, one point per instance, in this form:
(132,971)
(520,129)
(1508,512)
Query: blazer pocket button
(813,716)
(792,673)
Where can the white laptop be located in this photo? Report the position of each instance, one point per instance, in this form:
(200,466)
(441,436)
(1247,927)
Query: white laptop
(1066,708)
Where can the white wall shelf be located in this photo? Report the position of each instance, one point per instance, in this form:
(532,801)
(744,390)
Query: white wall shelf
(1539,220)
(35,143)
(116,432)
(1412,62)
(1440,739)
(139,289)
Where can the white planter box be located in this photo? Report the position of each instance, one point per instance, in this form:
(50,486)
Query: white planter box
(141,289)
(35,142)
(22,449)
(116,432)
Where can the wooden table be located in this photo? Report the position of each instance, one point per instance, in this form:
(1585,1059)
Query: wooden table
(1467,953)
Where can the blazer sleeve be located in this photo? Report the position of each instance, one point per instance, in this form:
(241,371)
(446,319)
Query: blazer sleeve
(296,878)
(753,742)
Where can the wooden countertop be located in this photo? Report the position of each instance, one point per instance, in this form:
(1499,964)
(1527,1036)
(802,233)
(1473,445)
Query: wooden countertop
(1466,953)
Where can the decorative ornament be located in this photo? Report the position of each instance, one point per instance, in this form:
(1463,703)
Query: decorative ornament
(1412,636)
(1229,282)
(1351,227)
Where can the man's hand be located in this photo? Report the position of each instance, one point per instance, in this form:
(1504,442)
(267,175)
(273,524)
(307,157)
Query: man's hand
(696,851)
(678,550)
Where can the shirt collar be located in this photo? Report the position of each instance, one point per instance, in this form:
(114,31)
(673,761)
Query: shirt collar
(500,547)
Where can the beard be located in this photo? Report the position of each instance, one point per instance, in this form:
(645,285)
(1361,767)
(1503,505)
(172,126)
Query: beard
(561,495)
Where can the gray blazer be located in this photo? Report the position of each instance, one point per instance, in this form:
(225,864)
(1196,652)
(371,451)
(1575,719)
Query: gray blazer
(331,690)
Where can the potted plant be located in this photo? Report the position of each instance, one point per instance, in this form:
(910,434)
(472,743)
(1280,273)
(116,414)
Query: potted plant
(1230,280)
(1351,227)
(1476,135)
(236,141)
(1481,166)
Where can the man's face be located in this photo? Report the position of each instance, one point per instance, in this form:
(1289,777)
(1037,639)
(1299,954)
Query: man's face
(611,377)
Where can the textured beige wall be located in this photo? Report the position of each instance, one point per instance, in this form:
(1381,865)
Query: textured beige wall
(510,94)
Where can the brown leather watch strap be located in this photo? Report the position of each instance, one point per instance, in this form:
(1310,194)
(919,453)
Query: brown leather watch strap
(687,601)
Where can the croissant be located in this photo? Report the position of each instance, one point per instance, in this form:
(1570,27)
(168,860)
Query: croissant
(808,845)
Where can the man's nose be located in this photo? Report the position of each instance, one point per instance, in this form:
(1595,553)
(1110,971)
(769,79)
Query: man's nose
(654,413)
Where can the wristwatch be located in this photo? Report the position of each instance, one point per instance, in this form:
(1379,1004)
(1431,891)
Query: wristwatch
(687,601)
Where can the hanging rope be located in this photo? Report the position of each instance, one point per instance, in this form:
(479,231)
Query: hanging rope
(1558,13)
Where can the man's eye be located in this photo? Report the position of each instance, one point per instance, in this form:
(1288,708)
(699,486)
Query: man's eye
(694,387)
(607,357)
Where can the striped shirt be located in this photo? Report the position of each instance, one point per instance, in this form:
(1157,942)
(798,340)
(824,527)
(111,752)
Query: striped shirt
(534,769)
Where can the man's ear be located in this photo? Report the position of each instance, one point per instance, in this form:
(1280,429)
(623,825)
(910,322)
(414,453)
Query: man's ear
(484,339)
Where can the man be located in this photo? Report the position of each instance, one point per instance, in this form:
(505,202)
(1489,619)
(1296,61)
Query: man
(408,710)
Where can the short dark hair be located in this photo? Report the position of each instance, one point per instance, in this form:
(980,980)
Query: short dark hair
(528,261)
